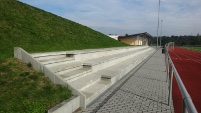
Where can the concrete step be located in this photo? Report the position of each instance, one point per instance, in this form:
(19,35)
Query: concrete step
(55,60)
(96,89)
(74,74)
(75,70)
(108,72)
(64,66)
(56,57)
(108,75)
(96,53)
(103,62)
(86,81)
(50,55)
(43,55)
(115,72)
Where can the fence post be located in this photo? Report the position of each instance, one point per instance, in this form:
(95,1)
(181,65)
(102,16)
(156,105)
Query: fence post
(166,64)
(184,109)
(170,86)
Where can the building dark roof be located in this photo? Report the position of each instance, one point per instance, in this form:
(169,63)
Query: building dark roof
(141,34)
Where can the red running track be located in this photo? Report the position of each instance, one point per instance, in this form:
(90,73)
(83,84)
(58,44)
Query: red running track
(188,65)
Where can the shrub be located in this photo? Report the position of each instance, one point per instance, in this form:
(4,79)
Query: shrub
(23,74)
(29,64)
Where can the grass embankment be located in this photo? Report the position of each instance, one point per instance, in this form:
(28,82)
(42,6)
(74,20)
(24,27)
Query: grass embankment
(193,48)
(21,88)
(36,31)
(24,90)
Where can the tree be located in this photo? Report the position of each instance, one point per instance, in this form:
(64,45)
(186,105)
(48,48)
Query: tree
(199,39)
(126,34)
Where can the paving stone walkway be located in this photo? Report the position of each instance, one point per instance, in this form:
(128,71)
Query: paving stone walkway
(144,90)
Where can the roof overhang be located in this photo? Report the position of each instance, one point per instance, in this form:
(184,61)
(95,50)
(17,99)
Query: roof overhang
(147,35)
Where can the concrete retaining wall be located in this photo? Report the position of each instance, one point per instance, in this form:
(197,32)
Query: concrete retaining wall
(58,80)
(67,106)
(27,58)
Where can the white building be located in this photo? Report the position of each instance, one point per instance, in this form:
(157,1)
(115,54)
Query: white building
(136,39)
(114,36)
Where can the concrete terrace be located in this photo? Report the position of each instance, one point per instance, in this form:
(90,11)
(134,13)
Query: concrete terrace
(143,90)
(122,79)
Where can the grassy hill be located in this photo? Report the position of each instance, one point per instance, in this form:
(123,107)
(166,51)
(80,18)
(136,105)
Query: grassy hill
(36,31)
(21,88)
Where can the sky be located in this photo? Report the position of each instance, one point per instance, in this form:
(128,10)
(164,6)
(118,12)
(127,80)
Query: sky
(176,17)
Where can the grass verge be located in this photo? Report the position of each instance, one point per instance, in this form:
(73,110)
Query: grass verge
(24,90)
(198,49)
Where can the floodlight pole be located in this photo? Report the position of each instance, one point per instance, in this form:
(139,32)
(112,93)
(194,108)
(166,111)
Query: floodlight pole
(161,31)
(158,22)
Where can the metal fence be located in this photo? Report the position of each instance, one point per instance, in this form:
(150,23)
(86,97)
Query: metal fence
(187,104)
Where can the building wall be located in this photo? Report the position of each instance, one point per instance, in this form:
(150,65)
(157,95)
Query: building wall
(137,40)
(130,41)
(114,36)
(145,41)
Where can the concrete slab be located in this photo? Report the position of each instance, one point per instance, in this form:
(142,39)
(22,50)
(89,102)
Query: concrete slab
(85,81)
(95,53)
(64,66)
(96,89)
(55,60)
(74,74)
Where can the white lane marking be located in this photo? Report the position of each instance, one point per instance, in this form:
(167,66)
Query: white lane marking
(176,55)
(191,54)
(189,57)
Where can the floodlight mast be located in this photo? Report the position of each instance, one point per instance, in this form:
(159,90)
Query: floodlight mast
(161,32)
(158,22)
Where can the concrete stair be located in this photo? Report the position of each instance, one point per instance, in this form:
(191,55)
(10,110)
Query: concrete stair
(75,74)
(50,58)
(108,76)
(96,53)
(85,81)
(92,71)
(106,61)
(96,89)
(65,66)
(55,60)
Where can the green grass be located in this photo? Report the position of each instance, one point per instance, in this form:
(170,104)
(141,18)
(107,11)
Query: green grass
(23,90)
(193,48)
(37,31)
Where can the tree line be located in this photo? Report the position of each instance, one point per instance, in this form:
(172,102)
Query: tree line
(179,40)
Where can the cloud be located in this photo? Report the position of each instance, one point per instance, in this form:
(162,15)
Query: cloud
(180,17)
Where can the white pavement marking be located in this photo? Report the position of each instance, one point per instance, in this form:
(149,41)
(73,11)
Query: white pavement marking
(190,58)
(195,55)
(176,54)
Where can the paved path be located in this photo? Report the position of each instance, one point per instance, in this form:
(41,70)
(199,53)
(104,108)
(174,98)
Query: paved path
(143,91)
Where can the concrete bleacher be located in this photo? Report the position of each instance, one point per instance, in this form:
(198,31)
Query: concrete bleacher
(144,90)
(90,72)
